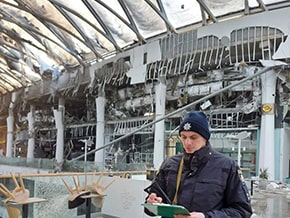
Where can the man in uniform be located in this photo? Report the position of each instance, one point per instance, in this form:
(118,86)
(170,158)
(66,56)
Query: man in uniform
(207,183)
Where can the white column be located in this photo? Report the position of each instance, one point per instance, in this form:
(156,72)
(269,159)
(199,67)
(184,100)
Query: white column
(10,124)
(159,135)
(9,140)
(100,129)
(58,116)
(267,142)
(31,140)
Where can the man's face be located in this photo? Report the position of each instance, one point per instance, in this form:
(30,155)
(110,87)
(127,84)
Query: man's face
(192,141)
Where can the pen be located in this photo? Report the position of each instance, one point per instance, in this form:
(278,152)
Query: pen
(159,189)
(163,193)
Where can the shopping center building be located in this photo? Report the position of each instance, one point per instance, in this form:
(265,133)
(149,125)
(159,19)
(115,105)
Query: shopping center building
(103,85)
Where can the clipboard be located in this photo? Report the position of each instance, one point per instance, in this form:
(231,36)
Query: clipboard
(166,210)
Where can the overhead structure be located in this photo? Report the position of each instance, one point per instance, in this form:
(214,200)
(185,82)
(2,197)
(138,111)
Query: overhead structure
(41,39)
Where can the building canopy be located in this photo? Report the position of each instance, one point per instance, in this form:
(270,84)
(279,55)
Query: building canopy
(45,37)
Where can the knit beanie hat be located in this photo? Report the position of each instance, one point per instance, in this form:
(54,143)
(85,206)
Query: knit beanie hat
(195,121)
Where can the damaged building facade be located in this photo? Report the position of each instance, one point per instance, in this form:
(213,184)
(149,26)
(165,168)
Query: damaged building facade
(86,89)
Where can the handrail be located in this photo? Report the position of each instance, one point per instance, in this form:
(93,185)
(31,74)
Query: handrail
(114,173)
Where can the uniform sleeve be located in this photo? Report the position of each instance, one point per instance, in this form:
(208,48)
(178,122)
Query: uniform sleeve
(237,198)
(157,186)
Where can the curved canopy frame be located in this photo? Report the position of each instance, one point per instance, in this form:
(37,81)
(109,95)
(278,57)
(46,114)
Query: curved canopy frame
(51,35)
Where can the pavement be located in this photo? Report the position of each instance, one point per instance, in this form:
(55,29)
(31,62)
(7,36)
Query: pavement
(271,203)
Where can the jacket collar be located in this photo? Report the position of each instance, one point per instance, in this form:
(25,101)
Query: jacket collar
(199,157)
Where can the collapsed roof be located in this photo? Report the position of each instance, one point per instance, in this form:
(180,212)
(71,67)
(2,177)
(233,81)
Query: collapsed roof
(41,39)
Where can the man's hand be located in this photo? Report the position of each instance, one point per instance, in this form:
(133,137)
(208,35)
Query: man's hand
(192,215)
(154,199)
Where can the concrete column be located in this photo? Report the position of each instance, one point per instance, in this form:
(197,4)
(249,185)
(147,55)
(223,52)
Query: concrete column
(267,142)
(31,139)
(100,129)
(10,126)
(9,140)
(159,135)
(58,116)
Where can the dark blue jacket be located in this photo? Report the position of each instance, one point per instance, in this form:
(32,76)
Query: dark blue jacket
(211,183)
